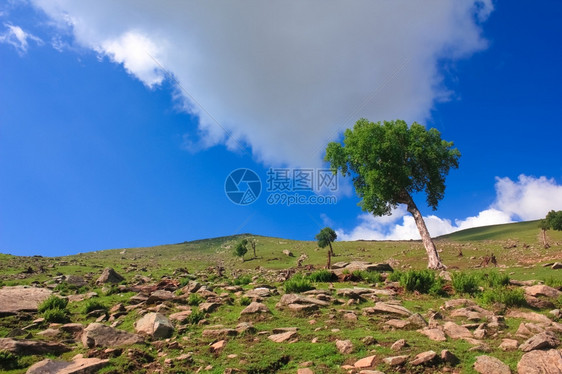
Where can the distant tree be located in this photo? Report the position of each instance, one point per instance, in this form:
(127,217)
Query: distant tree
(553,220)
(253,243)
(241,248)
(325,238)
(391,161)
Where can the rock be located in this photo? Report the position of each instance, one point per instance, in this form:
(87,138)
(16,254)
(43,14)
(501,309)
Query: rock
(490,365)
(218,346)
(21,299)
(79,365)
(458,303)
(530,316)
(423,358)
(109,276)
(282,337)
(467,313)
(98,335)
(208,307)
(540,362)
(303,308)
(159,296)
(434,334)
(542,290)
(367,266)
(543,340)
(191,287)
(288,253)
(344,346)
(369,340)
(366,362)
(417,321)
(304,371)
(180,316)
(395,360)
(538,303)
(397,323)
(398,345)
(448,357)
(255,311)
(49,333)
(156,325)
(386,308)
(76,281)
(245,327)
(259,293)
(289,299)
(508,345)
(556,265)
(31,347)
(455,331)
(218,333)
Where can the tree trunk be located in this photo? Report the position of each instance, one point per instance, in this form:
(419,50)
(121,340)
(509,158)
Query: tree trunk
(331,249)
(329,265)
(544,242)
(433,259)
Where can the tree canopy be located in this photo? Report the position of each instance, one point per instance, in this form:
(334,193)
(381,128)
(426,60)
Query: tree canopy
(325,237)
(553,220)
(241,248)
(389,162)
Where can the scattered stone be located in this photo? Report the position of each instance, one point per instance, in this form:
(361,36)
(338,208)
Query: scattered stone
(455,331)
(218,346)
(109,276)
(543,340)
(283,337)
(369,340)
(538,303)
(49,333)
(218,333)
(159,296)
(395,360)
(449,357)
(398,345)
(423,358)
(98,335)
(490,365)
(508,345)
(366,362)
(180,316)
(304,371)
(79,365)
(208,307)
(386,308)
(529,316)
(255,311)
(344,346)
(540,362)
(542,290)
(556,265)
(417,321)
(288,253)
(156,325)
(434,334)
(31,347)
(21,299)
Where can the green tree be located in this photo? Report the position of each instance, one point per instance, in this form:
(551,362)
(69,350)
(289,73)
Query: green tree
(553,220)
(389,162)
(325,238)
(241,248)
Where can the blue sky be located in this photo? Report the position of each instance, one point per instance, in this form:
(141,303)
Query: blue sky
(101,148)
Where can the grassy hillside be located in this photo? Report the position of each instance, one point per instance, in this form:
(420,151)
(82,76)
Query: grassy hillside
(521,231)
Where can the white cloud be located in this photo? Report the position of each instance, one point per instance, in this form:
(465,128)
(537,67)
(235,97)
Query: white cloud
(528,198)
(284,77)
(15,36)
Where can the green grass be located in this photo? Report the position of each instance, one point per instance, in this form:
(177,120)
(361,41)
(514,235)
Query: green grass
(297,284)
(92,305)
(52,302)
(323,275)
(465,283)
(507,296)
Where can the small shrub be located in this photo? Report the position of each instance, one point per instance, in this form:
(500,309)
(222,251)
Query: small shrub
(496,279)
(438,288)
(52,302)
(465,283)
(8,361)
(245,301)
(418,280)
(242,280)
(367,276)
(297,284)
(395,276)
(195,299)
(508,297)
(184,282)
(56,315)
(195,316)
(322,276)
(94,305)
